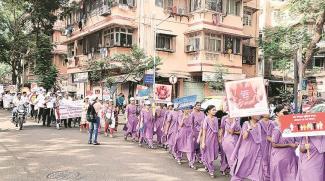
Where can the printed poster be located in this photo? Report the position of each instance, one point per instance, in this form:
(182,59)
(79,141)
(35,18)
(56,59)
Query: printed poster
(299,125)
(163,93)
(72,110)
(185,102)
(246,97)
(142,91)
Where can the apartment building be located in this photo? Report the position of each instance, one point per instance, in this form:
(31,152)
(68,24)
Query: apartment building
(192,36)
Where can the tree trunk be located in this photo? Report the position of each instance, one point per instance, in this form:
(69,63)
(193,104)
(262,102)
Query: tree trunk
(311,47)
(13,74)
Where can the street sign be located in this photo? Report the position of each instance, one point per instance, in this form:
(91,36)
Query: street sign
(148,79)
(80,77)
(173,79)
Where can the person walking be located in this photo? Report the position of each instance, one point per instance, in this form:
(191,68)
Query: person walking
(146,125)
(131,119)
(283,159)
(267,129)
(311,165)
(94,120)
(40,103)
(171,129)
(83,121)
(197,117)
(247,157)
(159,122)
(210,144)
(184,141)
(109,116)
(229,131)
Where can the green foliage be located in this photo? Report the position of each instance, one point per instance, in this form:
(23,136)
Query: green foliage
(4,72)
(286,96)
(45,71)
(218,83)
(131,65)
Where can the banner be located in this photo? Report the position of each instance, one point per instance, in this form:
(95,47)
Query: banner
(142,91)
(185,102)
(298,125)
(72,110)
(246,97)
(163,93)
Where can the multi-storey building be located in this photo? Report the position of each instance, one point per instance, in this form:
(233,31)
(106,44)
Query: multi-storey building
(192,36)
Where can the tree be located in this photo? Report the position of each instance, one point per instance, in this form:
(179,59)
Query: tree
(5,70)
(313,13)
(134,64)
(218,83)
(45,71)
(14,36)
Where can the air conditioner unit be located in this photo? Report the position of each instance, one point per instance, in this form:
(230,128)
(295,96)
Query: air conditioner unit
(130,3)
(105,10)
(189,48)
(181,11)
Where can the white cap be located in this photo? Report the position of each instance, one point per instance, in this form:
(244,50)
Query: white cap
(147,102)
(169,104)
(132,99)
(93,98)
(110,100)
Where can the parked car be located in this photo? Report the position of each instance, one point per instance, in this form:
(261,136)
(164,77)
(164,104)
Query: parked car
(307,105)
(217,101)
(317,108)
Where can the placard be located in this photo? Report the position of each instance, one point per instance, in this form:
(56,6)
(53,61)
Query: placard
(163,93)
(298,125)
(185,102)
(142,91)
(246,97)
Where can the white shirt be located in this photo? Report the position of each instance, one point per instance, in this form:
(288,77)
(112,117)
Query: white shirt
(40,101)
(17,102)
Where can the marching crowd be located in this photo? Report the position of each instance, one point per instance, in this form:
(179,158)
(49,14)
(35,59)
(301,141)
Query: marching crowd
(248,148)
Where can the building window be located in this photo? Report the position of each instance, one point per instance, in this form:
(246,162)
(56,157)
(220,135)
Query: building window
(118,36)
(247,18)
(127,2)
(232,45)
(195,5)
(159,3)
(70,50)
(214,5)
(249,55)
(193,42)
(233,7)
(164,42)
(319,63)
(212,42)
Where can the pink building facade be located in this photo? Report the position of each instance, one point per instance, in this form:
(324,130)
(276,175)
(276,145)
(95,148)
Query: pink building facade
(192,37)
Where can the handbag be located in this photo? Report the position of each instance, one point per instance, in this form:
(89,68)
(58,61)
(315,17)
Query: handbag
(109,120)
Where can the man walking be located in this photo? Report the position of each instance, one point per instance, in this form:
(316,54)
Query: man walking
(94,110)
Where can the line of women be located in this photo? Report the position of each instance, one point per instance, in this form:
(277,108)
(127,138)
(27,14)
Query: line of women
(254,150)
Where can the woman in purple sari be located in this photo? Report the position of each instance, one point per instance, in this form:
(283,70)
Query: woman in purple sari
(146,125)
(230,131)
(159,122)
(209,142)
(184,141)
(283,160)
(246,160)
(312,162)
(197,117)
(131,119)
(267,128)
(171,128)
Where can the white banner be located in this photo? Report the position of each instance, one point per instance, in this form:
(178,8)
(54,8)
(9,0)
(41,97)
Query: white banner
(73,110)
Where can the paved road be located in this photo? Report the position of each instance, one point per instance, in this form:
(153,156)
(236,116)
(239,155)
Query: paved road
(38,154)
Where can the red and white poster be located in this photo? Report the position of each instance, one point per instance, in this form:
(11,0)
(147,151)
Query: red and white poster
(299,125)
(246,97)
(163,93)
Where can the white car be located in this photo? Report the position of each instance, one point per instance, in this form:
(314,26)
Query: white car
(217,101)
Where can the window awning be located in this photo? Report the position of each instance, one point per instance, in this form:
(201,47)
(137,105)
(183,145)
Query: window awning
(166,32)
